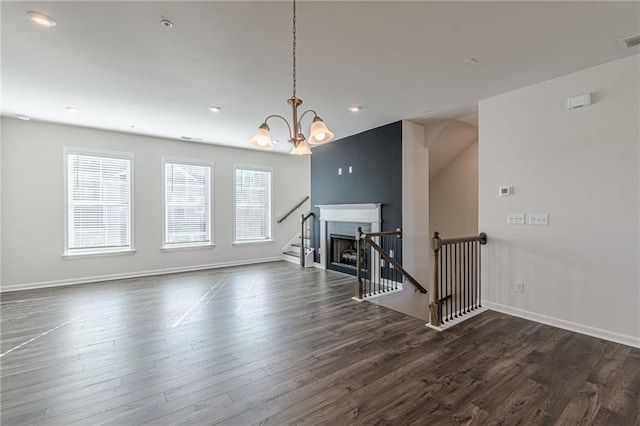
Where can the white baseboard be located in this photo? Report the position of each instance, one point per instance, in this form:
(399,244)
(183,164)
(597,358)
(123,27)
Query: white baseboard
(137,274)
(457,320)
(567,325)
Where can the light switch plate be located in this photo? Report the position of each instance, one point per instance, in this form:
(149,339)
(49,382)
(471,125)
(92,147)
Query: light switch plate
(539,219)
(515,218)
(519,287)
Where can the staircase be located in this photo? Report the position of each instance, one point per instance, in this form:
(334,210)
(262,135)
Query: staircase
(291,252)
(299,250)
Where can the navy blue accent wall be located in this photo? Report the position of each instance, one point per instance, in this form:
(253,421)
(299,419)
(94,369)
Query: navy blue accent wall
(376,159)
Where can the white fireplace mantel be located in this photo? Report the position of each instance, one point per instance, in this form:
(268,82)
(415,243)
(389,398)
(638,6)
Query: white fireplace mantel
(363,213)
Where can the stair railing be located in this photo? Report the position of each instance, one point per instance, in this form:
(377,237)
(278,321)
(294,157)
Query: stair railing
(305,236)
(457,279)
(377,268)
(293,209)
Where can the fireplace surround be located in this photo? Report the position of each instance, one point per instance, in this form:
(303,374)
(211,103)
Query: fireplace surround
(342,220)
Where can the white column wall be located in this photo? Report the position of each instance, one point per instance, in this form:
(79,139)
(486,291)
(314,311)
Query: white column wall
(582,271)
(416,253)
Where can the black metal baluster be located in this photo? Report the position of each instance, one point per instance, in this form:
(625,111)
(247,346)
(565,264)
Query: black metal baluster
(395,270)
(464,277)
(467,279)
(443,280)
(450,281)
(369,269)
(383,264)
(462,272)
(479,275)
(469,250)
(377,283)
(472,287)
(455,280)
(475,278)
(447,283)
(441,293)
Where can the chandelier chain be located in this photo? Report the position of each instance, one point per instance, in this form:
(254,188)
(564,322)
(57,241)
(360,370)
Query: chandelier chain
(294,48)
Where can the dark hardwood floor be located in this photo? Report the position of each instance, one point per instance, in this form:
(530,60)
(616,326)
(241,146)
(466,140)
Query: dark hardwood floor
(275,344)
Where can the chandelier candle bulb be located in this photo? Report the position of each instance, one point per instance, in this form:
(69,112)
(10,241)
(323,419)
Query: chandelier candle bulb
(319,132)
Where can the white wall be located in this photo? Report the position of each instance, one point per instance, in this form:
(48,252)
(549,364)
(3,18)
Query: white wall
(453,196)
(33,211)
(416,253)
(582,167)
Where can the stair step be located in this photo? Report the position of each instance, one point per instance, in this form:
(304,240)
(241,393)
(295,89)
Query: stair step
(296,245)
(291,253)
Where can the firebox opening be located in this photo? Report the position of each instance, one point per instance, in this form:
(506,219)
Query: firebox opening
(344,251)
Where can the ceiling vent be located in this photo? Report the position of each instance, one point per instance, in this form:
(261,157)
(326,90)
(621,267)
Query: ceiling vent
(631,41)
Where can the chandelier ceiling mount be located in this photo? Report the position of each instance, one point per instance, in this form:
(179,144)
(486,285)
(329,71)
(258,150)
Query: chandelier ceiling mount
(318,134)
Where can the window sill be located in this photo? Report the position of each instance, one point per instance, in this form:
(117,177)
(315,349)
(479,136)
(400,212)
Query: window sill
(187,247)
(253,242)
(97,254)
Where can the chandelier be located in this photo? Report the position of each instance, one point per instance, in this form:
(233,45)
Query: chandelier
(319,132)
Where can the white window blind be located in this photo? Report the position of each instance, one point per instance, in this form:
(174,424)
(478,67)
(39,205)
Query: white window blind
(98,203)
(253,205)
(187,204)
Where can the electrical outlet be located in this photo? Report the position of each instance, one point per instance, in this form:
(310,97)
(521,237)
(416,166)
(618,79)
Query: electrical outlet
(515,218)
(519,287)
(539,219)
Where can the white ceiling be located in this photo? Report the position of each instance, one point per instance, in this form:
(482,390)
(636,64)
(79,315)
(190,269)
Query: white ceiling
(115,62)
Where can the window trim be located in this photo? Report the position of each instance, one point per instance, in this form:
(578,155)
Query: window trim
(193,245)
(271,237)
(106,251)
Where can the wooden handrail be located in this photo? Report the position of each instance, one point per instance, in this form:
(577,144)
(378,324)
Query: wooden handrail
(293,210)
(391,260)
(482,237)
(397,232)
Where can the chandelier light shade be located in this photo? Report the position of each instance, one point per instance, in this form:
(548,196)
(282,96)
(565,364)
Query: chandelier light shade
(301,149)
(262,138)
(319,132)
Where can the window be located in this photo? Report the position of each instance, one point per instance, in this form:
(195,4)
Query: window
(98,202)
(187,203)
(253,205)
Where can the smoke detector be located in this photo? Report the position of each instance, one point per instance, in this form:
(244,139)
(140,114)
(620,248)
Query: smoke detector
(166,24)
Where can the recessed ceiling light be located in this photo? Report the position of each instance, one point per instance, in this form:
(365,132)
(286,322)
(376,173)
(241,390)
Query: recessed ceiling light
(23,117)
(41,19)
(189,138)
(72,109)
(355,108)
(275,141)
(214,108)
(470,61)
